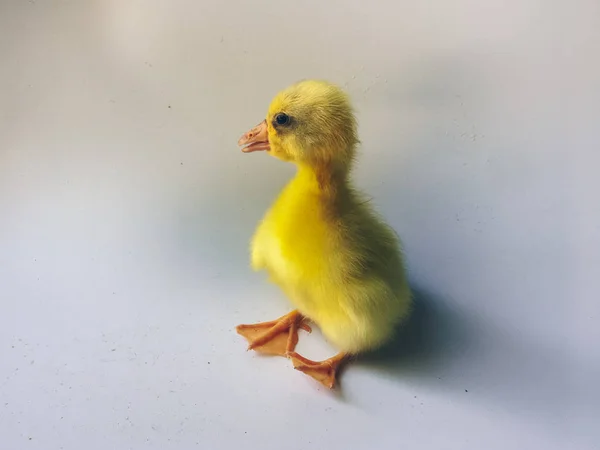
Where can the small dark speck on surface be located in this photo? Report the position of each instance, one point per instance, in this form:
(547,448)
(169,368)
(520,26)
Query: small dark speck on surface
(169,106)
(208,362)
(466,390)
(181,163)
(30,438)
(113,349)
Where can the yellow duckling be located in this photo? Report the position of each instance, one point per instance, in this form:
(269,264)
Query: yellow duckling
(321,243)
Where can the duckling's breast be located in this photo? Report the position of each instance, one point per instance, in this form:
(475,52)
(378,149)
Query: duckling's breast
(293,239)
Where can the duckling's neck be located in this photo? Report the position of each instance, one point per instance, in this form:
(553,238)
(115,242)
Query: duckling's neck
(328,181)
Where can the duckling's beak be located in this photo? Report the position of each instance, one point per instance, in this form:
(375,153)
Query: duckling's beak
(256,139)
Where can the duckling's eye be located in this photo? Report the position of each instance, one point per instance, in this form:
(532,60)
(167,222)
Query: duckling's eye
(282,119)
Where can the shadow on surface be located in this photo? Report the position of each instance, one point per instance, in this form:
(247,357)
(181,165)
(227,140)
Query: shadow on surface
(451,351)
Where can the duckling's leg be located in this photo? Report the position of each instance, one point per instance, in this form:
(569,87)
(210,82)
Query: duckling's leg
(277,337)
(324,372)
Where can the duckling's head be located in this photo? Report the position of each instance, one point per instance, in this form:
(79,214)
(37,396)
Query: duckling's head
(309,123)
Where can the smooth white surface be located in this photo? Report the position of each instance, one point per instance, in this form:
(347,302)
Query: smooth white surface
(126,210)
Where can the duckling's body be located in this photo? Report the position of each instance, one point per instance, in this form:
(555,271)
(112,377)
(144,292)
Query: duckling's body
(320,242)
(337,262)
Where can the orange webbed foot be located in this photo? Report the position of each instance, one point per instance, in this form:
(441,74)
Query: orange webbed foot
(277,337)
(325,372)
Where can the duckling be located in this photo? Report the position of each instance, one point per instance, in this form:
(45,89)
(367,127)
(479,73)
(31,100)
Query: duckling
(321,242)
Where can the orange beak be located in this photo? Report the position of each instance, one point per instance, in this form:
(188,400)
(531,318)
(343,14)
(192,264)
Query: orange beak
(256,139)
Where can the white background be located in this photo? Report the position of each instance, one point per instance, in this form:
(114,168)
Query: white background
(126,209)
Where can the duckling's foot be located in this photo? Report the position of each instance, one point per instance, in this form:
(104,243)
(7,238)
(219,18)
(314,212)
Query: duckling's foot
(324,372)
(277,337)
